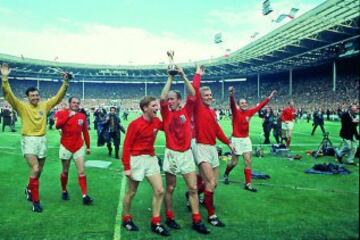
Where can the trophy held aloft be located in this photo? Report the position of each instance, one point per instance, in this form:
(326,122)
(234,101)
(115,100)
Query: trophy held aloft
(172,67)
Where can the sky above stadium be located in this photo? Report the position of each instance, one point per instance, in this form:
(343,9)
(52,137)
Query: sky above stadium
(119,32)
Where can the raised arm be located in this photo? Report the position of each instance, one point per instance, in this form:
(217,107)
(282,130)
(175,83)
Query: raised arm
(187,83)
(8,93)
(233,106)
(55,100)
(252,111)
(166,88)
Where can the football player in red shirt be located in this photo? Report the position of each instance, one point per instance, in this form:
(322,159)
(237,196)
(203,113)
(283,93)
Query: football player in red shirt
(74,132)
(287,117)
(207,130)
(140,162)
(178,156)
(240,136)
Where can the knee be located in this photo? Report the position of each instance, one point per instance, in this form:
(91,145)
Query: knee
(234,163)
(212,184)
(36,170)
(170,189)
(192,190)
(130,194)
(159,192)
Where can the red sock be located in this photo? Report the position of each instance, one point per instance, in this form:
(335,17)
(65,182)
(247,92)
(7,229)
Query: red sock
(34,187)
(155,220)
(126,218)
(209,202)
(200,184)
(63,180)
(170,214)
(247,172)
(196,217)
(82,183)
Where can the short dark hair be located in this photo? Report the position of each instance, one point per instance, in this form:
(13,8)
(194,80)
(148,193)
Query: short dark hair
(31,89)
(72,97)
(177,93)
(145,101)
(113,107)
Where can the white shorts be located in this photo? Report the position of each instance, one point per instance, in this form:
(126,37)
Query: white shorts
(206,153)
(65,154)
(242,145)
(288,125)
(193,147)
(143,166)
(178,162)
(34,145)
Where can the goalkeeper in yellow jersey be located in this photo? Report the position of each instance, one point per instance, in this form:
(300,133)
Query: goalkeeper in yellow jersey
(33,115)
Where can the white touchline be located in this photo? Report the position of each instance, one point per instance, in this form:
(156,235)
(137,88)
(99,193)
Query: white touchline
(117,228)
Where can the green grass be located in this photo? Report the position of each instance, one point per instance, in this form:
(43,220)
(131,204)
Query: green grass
(290,205)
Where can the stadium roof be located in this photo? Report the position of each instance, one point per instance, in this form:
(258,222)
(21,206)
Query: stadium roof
(320,35)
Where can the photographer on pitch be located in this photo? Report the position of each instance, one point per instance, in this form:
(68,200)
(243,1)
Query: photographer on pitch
(268,122)
(349,134)
(113,127)
(318,120)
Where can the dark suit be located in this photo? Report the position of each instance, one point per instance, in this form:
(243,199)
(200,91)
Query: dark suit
(113,128)
(349,134)
(318,119)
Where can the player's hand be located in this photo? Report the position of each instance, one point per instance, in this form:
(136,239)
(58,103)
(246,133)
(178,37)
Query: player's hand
(127,173)
(180,71)
(88,151)
(273,93)
(231,90)
(67,76)
(5,70)
(232,147)
(200,69)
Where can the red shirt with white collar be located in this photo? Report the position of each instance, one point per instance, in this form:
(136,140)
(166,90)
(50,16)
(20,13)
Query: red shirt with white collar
(207,129)
(140,138)
(241,118)
(177,125)
(74,130)
(288,114)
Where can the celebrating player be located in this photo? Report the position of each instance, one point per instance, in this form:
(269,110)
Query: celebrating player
(139,161)
(287,122)
(73,126)
(240,135)
(34,142)
(207,129)
(178,156)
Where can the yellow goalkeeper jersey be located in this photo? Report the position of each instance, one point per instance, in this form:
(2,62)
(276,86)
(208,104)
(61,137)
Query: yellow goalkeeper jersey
(33,117)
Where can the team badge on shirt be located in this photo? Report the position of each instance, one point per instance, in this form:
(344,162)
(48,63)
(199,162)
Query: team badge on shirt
(155,131)
(182,118)
(41,113)
(80,122)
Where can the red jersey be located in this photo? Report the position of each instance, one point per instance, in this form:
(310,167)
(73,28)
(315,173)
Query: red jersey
(207,129)
(288,114)
(72,130)
(140,138)
(177,125)
(241,118)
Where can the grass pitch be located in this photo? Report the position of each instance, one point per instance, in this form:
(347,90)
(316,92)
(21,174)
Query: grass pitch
(290,205)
